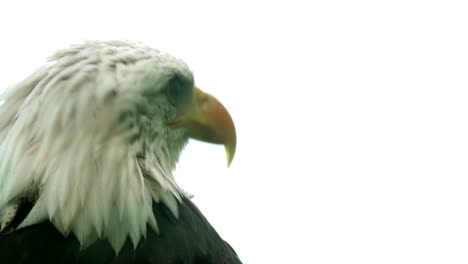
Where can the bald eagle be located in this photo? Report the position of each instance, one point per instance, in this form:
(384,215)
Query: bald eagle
(88,144)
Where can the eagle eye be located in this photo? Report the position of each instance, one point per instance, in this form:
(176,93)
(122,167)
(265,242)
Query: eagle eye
(177,90)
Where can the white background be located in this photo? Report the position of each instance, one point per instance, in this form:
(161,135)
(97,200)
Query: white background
(351,117)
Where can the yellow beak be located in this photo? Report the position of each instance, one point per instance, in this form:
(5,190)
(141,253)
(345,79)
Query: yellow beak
(209,121)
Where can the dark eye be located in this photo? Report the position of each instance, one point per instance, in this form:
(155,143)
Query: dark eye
(176,90)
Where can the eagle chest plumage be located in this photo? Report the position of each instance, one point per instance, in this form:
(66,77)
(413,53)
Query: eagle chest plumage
(87,147)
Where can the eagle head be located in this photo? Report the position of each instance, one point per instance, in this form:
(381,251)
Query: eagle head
(91,138)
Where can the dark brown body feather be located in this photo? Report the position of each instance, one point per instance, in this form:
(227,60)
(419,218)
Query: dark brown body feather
(188,239)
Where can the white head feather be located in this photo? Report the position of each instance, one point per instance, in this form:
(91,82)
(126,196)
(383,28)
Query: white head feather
(85,136)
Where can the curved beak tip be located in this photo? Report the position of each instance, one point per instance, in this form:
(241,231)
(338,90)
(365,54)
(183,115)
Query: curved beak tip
(230,151)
